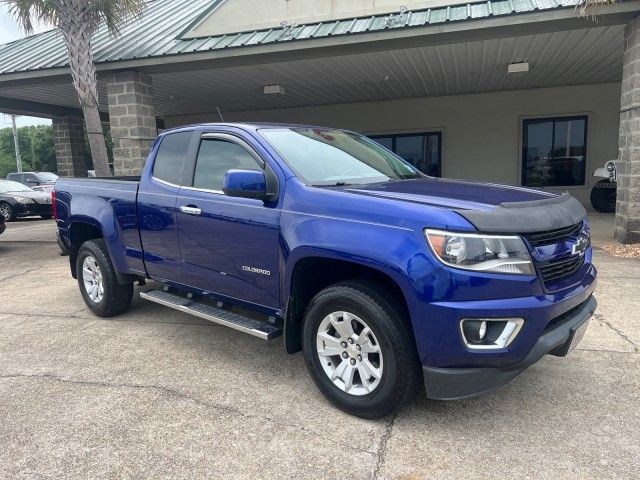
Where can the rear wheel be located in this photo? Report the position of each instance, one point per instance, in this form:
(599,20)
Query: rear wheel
(603,196)
(6,211)
(359,350)
(98,281)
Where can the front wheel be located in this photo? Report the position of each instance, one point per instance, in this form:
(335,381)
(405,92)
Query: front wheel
(98,281)
(6,211)
(359,350)
(603,196)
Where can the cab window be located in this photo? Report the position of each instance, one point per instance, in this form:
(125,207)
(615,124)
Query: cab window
(215,158)
(171,157)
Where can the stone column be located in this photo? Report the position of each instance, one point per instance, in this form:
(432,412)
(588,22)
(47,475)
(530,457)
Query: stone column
(627,229)
(132,119)
(68,139)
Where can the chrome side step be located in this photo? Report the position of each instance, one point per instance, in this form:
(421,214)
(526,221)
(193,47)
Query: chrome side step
(263,330)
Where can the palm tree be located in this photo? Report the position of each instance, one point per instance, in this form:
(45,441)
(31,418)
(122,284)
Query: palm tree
(78,20)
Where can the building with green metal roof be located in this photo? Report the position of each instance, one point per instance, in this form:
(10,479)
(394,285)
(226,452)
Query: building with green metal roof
(523,92)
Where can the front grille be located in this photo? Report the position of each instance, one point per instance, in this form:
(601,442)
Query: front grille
(550,237)
(557,270)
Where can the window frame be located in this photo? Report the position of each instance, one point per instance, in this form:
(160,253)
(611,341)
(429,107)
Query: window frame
(227,137)
(395,136)
(554,118)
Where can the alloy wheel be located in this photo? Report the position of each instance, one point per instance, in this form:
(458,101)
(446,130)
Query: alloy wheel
(92,277)
(349,353)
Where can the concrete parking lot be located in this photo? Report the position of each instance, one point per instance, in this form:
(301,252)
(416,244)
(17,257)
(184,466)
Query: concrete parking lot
(155,393)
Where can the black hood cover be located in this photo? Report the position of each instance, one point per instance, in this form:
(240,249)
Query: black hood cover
(528,217)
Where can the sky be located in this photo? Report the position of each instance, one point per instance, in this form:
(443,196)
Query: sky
(9,30)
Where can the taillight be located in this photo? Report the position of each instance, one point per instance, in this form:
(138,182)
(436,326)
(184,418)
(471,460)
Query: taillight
(53,205)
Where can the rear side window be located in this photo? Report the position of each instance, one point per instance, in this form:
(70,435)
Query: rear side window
(217,157)
(171,157)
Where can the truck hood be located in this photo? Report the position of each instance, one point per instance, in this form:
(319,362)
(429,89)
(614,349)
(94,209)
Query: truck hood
(453,194)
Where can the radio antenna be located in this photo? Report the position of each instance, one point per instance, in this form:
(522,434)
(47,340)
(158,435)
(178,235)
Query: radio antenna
(220,113)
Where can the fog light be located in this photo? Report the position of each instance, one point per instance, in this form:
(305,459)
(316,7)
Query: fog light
(488,333)
(482,332)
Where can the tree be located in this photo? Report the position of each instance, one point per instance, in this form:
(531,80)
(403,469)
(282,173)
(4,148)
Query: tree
(77,21)
(36,147)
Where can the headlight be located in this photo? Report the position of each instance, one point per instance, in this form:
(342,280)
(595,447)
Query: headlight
(24,200)
(483,253)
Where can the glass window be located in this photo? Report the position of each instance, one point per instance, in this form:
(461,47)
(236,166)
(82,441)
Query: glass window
(171,157)
(423,150)
(47,177)
(554,152)
(326,157)
(217,157)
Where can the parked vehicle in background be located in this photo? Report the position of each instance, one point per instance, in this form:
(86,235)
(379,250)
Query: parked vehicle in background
(2,225)
(34,179)
(382,276)
(44,188)
(604,193)
(18,200)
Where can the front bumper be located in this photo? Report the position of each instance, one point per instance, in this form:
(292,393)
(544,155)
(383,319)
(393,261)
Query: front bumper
(457,383)
(33,209)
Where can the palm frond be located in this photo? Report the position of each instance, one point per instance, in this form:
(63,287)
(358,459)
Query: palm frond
(593,8)
(115,12)
(26,12)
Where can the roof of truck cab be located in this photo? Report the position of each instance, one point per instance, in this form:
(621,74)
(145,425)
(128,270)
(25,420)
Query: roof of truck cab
(245,126)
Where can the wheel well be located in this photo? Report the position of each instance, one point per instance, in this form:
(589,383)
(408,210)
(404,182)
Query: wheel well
(80,232)
(311,275)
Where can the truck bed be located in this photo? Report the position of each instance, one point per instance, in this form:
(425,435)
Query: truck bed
(106,203)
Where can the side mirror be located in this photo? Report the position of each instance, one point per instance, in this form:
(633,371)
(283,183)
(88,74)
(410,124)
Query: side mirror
(245,184)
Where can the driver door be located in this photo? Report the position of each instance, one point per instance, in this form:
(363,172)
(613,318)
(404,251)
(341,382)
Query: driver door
(229,246)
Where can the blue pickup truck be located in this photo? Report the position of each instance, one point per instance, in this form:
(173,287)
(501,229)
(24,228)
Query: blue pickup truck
(388,281)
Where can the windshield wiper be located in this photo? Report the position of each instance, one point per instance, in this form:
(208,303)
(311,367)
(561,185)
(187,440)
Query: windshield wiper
(337,184)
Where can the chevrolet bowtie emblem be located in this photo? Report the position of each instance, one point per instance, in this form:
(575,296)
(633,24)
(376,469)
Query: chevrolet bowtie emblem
(580,246)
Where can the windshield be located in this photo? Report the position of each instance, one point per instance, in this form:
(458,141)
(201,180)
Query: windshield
(8,186)
(47,177)
(325,157)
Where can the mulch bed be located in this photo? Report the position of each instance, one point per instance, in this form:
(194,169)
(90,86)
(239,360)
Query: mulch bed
(620,250)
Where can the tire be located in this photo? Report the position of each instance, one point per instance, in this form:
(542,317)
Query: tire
(603,196)
(115,298)
(400,379)
(6,210)
(46,217)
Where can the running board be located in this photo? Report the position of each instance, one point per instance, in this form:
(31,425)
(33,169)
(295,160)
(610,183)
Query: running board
(259,329)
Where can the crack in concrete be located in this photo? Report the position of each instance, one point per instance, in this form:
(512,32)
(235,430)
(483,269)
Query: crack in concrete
(600,317)
(177,394)
(74,316)
(604,350)
(382,449)
(14,275)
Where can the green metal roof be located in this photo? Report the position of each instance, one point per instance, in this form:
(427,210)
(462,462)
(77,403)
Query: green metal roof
(158,32)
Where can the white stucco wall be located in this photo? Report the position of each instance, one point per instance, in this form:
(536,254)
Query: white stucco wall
(481,132)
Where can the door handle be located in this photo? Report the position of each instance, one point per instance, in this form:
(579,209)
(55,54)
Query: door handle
(190,210)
